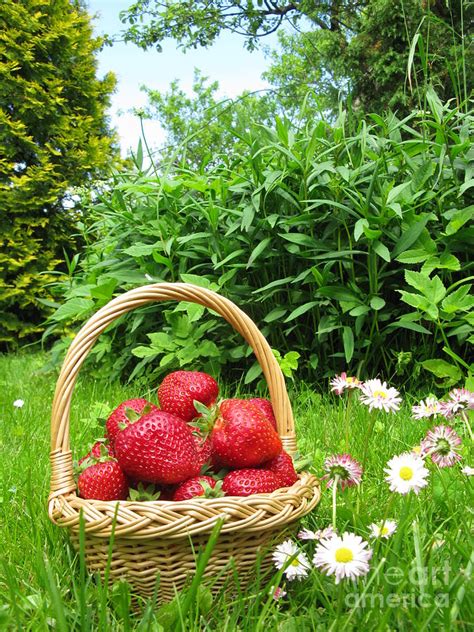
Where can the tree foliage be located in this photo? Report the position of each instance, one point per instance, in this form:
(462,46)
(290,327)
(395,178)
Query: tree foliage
(54,135)
(360,48)
(202,128)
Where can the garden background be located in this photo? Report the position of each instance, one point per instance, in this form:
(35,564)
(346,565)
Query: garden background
(335,208)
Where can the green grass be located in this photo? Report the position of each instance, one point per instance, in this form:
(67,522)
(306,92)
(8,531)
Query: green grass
(419,579)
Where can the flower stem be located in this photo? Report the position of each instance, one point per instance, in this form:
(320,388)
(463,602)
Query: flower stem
(334,505)
(468,425)
(346,418)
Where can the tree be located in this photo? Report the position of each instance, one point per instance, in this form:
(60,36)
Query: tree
(201,128)
(360,48)
(54,135)
(193,24)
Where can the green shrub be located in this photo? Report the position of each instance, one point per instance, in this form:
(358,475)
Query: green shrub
(348,246)
(54,136)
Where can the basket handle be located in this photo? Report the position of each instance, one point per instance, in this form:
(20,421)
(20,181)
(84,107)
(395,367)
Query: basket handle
(89,333)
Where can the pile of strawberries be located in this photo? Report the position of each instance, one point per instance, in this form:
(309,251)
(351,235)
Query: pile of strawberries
(190,446)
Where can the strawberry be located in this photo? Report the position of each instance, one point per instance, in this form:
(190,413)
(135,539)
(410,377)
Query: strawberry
(242,436)
(250,481)
(103,481)
(282,466)
(203,447)
(198,486)
(158,448)
(124,414)
(266,407)
(99,448)
(179,389)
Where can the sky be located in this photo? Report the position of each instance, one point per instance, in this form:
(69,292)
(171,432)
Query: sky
(226,62)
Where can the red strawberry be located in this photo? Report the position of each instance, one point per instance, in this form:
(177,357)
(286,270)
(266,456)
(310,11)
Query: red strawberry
(98,449)
(196,486)
(250,481)
(266,407)
(119,416)
(204,447)
(103,481)
(242,436)
(282,466)
(178,391)
(158,448)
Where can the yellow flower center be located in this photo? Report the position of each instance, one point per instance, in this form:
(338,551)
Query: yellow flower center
(406,473)
(295,562)
(384,531)
(381,394)
(344,555)
(349,380)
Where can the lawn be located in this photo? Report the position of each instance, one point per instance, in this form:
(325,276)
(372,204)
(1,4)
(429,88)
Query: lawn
(418,578)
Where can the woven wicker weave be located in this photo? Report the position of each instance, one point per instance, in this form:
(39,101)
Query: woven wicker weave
(161,537)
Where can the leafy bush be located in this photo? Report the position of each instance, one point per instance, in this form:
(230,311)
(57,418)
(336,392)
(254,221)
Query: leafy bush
(347,246)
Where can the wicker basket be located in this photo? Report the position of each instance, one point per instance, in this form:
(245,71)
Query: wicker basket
(162,537)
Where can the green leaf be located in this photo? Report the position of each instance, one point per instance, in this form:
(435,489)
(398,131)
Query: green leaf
(419,302)
(275,314)
(359,228)
(443,369)
(338,292)
(413,256)
(142,250)
(302,309)
(458,300)
(144,352)
(397,192)
(73,309)
(458,219)
(377,303)
(259,248)
(299,238)
(433,289)
(348,341)
(408,324)
(409,236)
(381,250)
(252,374)
(195,279)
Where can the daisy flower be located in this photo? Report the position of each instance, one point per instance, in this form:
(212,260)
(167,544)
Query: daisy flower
(18,403)
(468,471)
(376,394)
(288,556)
(459,399)
(431,408)
(320,534)
(341,382)
(277,593)
(441,444)
(347,469)
(383,529)
(406,472)
(343,556)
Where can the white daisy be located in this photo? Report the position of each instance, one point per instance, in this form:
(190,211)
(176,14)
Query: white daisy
(468,471)
(341,382)
(347,470)
(383,529)
(441,445)
(406,472)
(346,556)
(431,408)
(18,403)
(376,394)
(288,556)
(307,534)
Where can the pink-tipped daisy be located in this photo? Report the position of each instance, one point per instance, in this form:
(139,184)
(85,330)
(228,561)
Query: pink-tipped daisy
(341,382)
(468,470)
(376,394)
(430,408)
(406,472)
(347,470)
(343,556)
(383,529)
(277,593)
(459,399)
(320,534)
(441,445)
(288,556)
